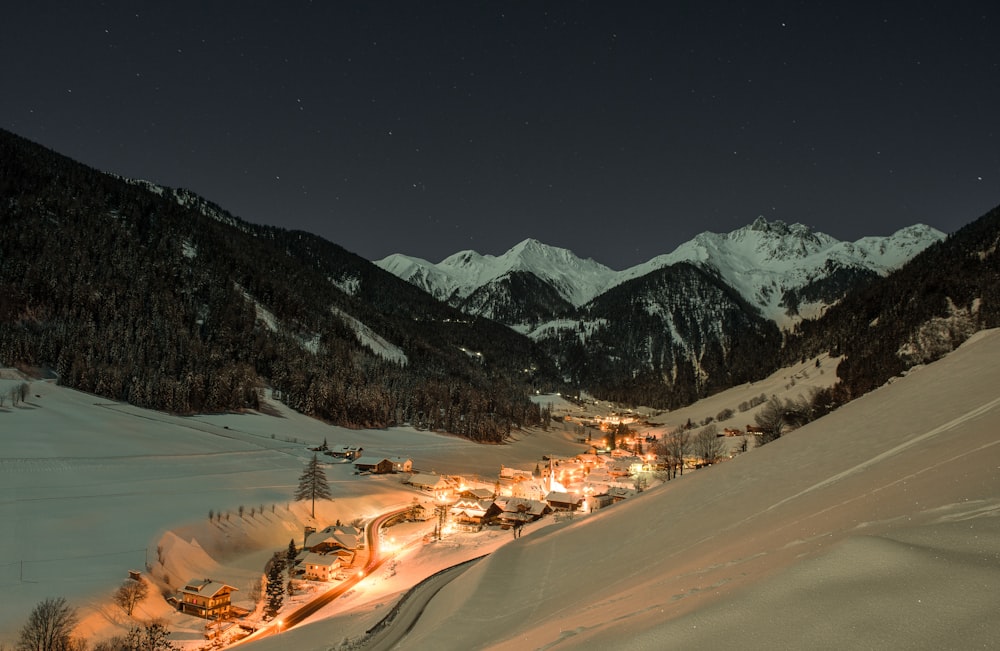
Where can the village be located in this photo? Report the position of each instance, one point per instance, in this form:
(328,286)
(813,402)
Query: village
(405,504)
(616,464)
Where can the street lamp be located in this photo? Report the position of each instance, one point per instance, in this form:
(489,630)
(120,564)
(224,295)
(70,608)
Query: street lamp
(279,623)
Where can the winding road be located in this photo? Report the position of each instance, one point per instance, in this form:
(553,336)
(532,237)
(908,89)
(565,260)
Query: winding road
(375,561)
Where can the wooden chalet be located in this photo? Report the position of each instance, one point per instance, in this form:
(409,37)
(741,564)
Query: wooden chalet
(352,452)
(401,464)
(560,501)
(207,599)
(472,513)
(321,567)
(440,485)
(333,538)
(514,511)
(374,465)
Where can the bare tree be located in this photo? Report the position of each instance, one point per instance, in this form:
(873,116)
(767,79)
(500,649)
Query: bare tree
(129,594)
(672,447)
(153,637)
(49,627)
(708,446)
(770,421)
(256,592)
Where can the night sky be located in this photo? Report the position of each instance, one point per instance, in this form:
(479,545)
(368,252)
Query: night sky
(618,130)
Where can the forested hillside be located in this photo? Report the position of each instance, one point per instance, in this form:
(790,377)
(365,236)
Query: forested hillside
(161,299)
(913,316)
(666,339)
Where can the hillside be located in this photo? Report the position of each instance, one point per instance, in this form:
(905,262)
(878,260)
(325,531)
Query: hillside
(913,316)
(159,298)
(876,527)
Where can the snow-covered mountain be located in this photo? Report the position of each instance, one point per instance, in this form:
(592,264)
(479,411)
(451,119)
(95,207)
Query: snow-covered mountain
(680,326)
(785,271)
(790,271)
(454,279)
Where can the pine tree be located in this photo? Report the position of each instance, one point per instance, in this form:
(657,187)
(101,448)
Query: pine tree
(313,485)
(275,587)
(291,553)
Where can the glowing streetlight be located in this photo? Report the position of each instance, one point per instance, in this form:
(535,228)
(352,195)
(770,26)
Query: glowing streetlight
(279,623)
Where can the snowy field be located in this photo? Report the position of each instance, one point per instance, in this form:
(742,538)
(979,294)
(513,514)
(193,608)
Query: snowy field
(90,489)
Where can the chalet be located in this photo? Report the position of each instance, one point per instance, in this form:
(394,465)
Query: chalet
(401,464)
(477,494)
(471,513)
(516,511)
(560,501)
(352,452)
(512,475)
(206,598)
(374,465)
(617,493)
(528,490)
(441,486)
(625,466)
(321,567)
(333,538)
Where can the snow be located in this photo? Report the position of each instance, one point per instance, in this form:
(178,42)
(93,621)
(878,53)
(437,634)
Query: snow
(877,526)
(765,259)
(372,340)
(264,315)
(761,261)
(576,279)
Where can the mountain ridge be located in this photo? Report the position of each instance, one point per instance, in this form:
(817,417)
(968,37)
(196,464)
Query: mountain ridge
(764,261)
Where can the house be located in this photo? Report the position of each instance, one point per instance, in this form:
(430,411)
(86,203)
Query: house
(333,538)
(374,465)
(472,513)
(515,511)
(477,494)
(618,493)
(510,475)
(352,452)
(401,464)
(321,567)
(441,486)
(206,598)
(529,490)
(560,501)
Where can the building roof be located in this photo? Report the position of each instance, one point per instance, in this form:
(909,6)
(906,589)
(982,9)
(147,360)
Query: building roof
(206,587)
(427,479)
(326,560)
(479,493)
(369,461)
(563,498)
(343,536)
(521,505)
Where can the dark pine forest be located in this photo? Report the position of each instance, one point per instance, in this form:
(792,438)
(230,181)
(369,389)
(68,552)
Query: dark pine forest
(158,298)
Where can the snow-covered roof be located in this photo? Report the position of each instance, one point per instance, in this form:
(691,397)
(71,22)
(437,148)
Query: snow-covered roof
(370,461)
(206,587)
(428,480)
(325,560)
(563,498)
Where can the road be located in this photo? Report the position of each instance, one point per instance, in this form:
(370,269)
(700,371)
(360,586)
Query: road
(391,630)
(375,561)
